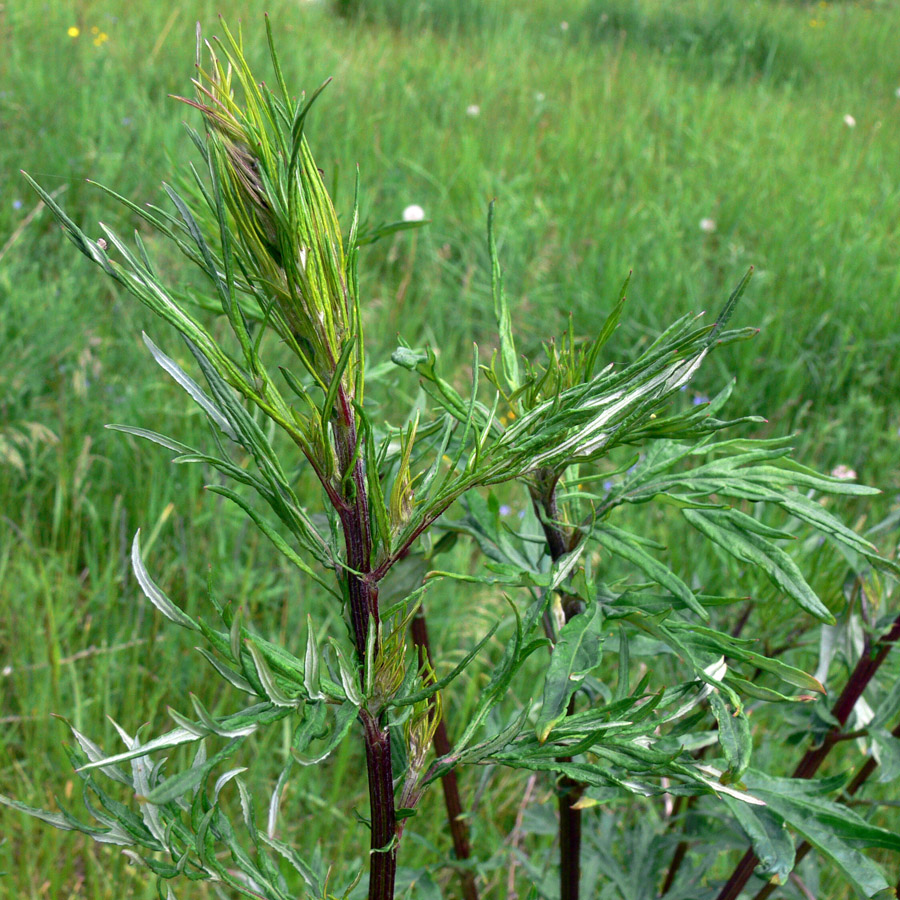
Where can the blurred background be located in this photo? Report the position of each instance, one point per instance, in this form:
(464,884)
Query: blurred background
(684,140)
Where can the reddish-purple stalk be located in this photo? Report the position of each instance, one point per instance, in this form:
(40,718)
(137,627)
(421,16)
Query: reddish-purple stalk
(543,497)
(459,831)
(862,674)
(859,780)
(362,592)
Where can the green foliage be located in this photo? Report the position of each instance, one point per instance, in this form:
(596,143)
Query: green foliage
(724,42)
(279,269)
(441,16)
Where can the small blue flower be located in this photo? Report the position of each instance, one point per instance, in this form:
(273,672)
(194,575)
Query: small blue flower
(505,510)
(17,204)
(608,485)
(700,399)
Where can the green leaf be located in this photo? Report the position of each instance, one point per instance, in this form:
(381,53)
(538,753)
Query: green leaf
(331,395)
(732,534)
(834,830)
(152,591)
(576,652)
(501,312)
(734,736)
(155,437)
(606,331)
(54,819)
(313,725)
(191,387)
(728,310)
(179,785)
(343,720)
(252,717)
(626,545)
(771,841)
(277,540)
(267,679)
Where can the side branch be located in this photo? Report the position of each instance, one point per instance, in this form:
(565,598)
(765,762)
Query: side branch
(862,674)
(459,830)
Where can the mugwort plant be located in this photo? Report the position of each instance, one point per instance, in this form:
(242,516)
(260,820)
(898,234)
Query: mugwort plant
(587,442)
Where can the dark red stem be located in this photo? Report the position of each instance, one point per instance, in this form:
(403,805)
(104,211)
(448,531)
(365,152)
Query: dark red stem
(570,792)
(862,674)
(859,780)
(362,594)
(383,857)
(459,831)
(558,537)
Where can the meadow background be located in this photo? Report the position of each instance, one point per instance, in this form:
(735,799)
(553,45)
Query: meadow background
(608,132)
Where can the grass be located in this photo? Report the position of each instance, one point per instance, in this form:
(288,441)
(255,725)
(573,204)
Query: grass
(606,131)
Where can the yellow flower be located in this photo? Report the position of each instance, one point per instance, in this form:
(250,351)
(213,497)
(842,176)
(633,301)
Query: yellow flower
(74,31)
(101,38)
(95,30)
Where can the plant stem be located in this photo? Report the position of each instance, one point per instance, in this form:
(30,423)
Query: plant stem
(859,780)
(677,859)
(383,856)
(862,674)
(570,792)
(543,496)
(362,592)
(459,831)
(680,850)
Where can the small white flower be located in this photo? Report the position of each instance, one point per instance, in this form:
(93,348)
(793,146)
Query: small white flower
(708,225)
(101,243)
(413,213)
(845,473)
(473,109)
(897,92)
(849,121)
(563,26)
(540,96)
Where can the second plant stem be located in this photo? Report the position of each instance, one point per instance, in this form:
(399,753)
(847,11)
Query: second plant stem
(862,674)
(543,497)
(459,831)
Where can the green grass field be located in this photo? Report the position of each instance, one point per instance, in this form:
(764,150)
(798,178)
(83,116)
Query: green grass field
(608,132)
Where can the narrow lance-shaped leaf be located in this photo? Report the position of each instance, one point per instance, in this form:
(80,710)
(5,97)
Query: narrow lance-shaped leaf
(153,593)
(344,719)
(720,527)
(576,652)
(734,736)
(804,817)
(501,312)
(771,841)
(179,785)
(191,387)
(626,546)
